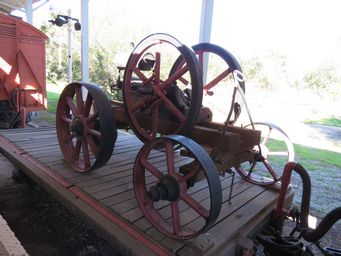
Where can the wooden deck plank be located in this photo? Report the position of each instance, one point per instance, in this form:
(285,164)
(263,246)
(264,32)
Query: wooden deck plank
(112,232)
(227,228)
(196,223)
(111,188)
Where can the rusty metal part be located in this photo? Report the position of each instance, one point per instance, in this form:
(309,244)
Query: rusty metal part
(275,147)
(164,194)
(236,139)
(228,64)
(85,129)
(147,92)
(310,235)
(226,56)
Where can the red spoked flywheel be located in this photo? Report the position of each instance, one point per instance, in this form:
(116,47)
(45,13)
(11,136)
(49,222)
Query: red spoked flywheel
(274,151)
(147,87)
(217,65)
(85,126)
(167,196)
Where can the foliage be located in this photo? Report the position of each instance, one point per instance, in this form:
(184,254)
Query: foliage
(323,80)
(102,71)
(267,72)
(329,121)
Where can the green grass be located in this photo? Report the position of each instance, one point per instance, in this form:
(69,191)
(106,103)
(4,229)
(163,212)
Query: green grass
(309,154)
(47,117)
(321,155)
(330,121)
(52,98)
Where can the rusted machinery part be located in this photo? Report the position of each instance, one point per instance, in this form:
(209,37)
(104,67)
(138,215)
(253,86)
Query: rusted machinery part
(230,60)
(226,72)
(149,93)
(301,216)
(275,148)
(85,128)
(166,196)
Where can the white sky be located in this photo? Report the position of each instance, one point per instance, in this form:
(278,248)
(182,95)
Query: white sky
(307,31)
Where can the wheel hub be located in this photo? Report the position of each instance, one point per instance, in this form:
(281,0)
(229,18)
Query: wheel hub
(167,188)
(77,128)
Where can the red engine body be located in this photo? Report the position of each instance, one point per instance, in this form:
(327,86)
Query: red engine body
(22,71)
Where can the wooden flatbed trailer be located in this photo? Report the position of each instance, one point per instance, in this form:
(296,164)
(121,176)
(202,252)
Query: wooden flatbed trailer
(105,198)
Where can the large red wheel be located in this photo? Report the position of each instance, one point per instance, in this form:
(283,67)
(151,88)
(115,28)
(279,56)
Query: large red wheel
(147,88)
(217,65)
(168,197)
(85,128)
(274,151)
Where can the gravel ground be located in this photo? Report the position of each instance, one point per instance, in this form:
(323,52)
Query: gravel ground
(42,225)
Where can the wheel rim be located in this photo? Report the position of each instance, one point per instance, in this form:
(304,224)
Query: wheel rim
(85,129)
(164,195)
(218,80)
(150,95)
(274,151)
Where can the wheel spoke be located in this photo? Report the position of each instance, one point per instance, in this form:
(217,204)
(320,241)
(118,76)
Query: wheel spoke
(216,80)
(140,74)
(71,106)
(170,157)
(93,146)
(87,106)
(195,205)
(86,154)
(147,202)
(177,75)
(251,169)
(79,99)
(139,104)
(189,175)
(266,139)
(70,137)
(92,118)
(270,170)
(95,133)
(278,153)
(175,217)
(173,109)
(77,149)
(146,164)
(157,68)
(66,120)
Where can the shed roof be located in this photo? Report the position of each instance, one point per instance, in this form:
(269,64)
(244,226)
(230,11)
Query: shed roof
(6,6)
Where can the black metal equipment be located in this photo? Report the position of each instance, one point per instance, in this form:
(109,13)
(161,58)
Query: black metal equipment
(271,239)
